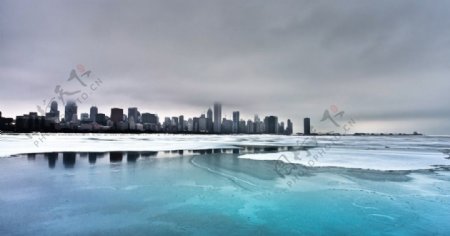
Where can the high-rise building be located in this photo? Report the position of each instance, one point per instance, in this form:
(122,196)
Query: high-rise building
(195,124)
(116,115)
(250,127)
(242,127)
(217,117)
(281,128)
(209,120)
(53,115)
(227,126)
(202,124)
(93,113)
(181,123)
(235,128)
(272,125)
(306,126)
(258,125)
(100,118)
(133,114)
(70,111)
(174,124)
(289,128)
(149,118)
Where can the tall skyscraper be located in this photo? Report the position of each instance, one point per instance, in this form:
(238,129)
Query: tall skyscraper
(175,124)
(289,128)
(272,125)
(133,114)
(306,126)
(209,120)
(116,115)
(181,123)
(202,124)
(53,115)
(93,113)
(217,117)
(235,128)
(70,111)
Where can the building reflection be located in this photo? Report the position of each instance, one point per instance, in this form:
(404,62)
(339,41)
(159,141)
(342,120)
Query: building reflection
(132,156)
(52,158)
(92,157)
(69,159)
(115,157)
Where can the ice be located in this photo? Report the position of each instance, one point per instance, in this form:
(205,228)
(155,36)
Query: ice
(362,159)
(147,186)
(377,153)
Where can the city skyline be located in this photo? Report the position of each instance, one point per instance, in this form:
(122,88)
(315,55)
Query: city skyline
(118,120)
(384,63)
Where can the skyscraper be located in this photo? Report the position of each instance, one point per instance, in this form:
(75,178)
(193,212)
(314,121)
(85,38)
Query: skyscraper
(93,113)
(289,128)
(54,113)
(133,114)
(272,125)
(209,120)
(202,124)
(70,111)
(116,115)
(181,123)
(306,126)
(235,128)
(217,117)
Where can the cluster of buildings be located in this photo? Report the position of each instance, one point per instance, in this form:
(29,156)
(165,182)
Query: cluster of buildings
(134,121)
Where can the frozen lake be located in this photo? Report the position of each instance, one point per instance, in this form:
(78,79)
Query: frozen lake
(224,185)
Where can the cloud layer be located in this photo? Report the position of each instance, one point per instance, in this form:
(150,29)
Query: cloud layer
(385,63)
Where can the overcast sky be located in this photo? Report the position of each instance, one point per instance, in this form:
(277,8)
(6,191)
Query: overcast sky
(385,64)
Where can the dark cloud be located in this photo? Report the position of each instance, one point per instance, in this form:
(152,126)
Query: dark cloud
(383,62)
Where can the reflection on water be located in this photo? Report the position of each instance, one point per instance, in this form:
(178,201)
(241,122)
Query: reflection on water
(70,158)
(52,157)
(212,160)
(115,157)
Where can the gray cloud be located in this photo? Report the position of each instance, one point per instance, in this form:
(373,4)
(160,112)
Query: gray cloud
(383,62)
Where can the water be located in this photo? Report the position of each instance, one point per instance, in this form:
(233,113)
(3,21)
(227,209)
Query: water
(223,189)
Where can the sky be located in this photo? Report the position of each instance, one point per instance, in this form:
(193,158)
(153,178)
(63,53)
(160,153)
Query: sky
(385,64)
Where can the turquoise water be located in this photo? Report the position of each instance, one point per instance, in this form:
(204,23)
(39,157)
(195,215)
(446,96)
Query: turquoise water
(187,193)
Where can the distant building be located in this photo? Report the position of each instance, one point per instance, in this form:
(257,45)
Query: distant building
(202,124)
(227,126)
(70,111)
(190,125)
(235,128)
(6,124)
(181,123)
(217,117)
(93,113)
(116,115)
(174,124)
(100,119)
(289,128)
(195,124)
(242,127)
(281,128)
(54,113)
(84,118)
(272,125)
(250,127)
(259,127)
(306,126)
(209,120)
(133,114)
